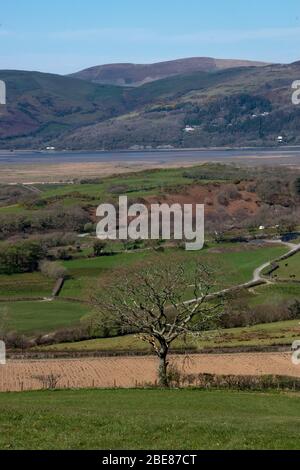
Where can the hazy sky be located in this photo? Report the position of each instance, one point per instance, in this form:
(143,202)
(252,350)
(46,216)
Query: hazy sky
(63,36)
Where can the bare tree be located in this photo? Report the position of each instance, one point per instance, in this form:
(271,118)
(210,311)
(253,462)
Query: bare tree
(153,304)
(49,381)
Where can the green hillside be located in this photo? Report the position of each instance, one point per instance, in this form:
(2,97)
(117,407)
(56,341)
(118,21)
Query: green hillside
(43,105)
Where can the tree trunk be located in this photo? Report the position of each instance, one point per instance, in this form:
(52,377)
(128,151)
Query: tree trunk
(163,366)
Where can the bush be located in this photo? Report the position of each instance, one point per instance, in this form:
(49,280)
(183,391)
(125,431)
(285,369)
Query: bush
(89,227)
(223,199)
(53,270)
(16,341)
(99,247)
(238,314)
(294,310)
(233,382)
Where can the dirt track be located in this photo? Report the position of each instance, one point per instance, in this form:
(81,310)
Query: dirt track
(130,371)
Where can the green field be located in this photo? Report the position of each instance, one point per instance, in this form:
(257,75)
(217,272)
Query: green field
(41,317)
(229,267)
(27,285)
(289,269)
(139,183)
(274,294)
(13,209)
(268,334)
(86,274)
(149,419)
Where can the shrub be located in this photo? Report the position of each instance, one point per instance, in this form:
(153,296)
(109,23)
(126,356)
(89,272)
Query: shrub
(99,247)
(53,270)
(233,382)
(238,314)
(48,381)
(89,227)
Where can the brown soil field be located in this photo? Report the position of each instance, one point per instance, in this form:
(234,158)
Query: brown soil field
(128,372)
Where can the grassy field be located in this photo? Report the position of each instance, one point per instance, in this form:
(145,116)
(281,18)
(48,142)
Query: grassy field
(138,184)
(268,334)
(229,267)
(35,316)
(41,317)
(289,269)
(27,285)
(274,294)
(149,419)
(12,209)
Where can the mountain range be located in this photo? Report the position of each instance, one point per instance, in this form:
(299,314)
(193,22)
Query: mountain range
(194,102)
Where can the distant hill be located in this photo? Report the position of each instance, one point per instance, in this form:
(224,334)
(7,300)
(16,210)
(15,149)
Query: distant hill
(224,107)
(139,74)
(43,106)
(231,107)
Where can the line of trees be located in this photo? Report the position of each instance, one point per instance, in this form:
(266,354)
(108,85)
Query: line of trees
(21,257)
(41,221)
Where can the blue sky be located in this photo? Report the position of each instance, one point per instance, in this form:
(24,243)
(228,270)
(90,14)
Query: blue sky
(63,36)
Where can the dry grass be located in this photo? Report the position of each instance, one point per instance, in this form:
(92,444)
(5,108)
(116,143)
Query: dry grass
(49,173)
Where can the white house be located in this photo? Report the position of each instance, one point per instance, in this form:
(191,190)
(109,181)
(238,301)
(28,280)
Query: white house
(189,129)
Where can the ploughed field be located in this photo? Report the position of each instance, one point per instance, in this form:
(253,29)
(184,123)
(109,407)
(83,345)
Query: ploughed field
(130,372)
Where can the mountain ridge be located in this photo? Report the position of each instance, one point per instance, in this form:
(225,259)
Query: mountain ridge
(131,74)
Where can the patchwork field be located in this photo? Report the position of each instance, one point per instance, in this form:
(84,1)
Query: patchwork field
(230,265)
